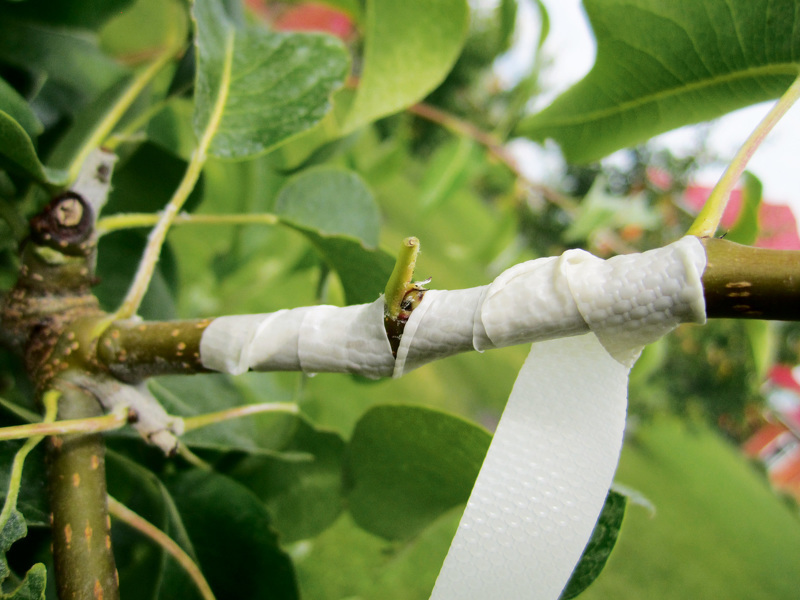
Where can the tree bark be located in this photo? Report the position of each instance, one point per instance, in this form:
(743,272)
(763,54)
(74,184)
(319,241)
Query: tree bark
(81,529)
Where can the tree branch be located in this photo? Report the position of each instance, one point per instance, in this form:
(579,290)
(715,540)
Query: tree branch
(84,561)
(739,282)
(742,282)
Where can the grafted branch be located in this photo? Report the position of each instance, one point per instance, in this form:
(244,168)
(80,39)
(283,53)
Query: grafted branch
(739,282)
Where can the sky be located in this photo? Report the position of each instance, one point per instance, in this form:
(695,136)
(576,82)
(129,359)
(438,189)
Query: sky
(571,48)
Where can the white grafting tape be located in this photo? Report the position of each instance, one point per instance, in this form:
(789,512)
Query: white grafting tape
(553,456)
(544,479)
(554,453)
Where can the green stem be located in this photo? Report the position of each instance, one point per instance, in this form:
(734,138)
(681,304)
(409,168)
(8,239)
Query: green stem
(131,220)
(82,555)
(495,147)
(115,420)
(114,140)
(50,400)
(110,120)
(143,526)
(147,265)
(206,419)
(706,223)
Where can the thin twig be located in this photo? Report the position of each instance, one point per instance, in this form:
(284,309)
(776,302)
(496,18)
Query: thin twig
(132,220)
(147,265)
(50,401)
(110,120)
(145,527)
(114,420)
(238,412)
(496,149)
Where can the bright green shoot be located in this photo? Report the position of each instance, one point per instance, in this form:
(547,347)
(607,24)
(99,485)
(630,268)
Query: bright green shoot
(706,223)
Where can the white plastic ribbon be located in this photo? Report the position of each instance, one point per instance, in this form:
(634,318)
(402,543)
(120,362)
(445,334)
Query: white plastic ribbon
(554,453)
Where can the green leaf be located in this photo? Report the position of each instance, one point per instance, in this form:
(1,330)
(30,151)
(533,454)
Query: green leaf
(145,29)
(348,562)
(661,65)
(82,130)
(601,210)
(232,534)
(172,129)
(13,529)
(32,586)
(271,86)
(84,14)
(745,230)
(363,272)
(304,497)
(118,255)
(147,571)
(69,57)
(15,107)
(600,545)
(410,48)
(408,465)
(18,154)
(447,171)
(331,202)
(335,210)
(33,491)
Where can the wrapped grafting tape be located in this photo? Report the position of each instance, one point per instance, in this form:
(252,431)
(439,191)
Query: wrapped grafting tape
(554,453)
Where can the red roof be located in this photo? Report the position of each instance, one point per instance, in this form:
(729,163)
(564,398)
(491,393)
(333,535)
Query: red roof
(783,376)
(763,438)
(777,223)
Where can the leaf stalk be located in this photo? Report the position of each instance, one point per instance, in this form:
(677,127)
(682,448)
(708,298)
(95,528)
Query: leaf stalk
(146,528)
(707,222)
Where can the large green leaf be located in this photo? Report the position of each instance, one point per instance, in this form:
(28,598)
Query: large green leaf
(348,562)
(269,86)
(661,65)
(410,464)
(147,571)
(363,272)
(410,47)
(304,497)
(148,27)
(337,212)
(232,534)
(330,201)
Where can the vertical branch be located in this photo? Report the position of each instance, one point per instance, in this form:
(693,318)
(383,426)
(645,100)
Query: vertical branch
(84,561)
